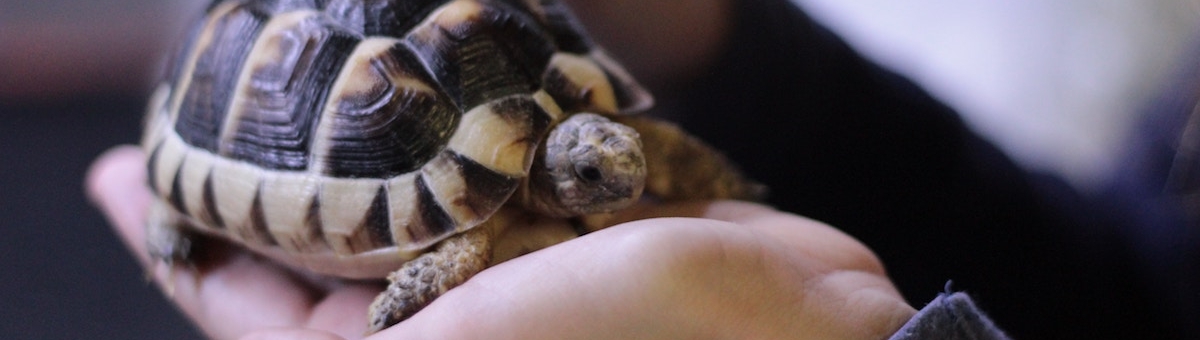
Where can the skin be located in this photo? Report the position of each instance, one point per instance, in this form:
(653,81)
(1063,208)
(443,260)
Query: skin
(695,270)
(730,270)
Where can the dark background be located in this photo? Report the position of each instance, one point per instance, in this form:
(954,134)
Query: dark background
(73,81)
(65,273)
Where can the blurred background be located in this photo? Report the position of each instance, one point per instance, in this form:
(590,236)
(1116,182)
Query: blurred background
(1055,83)
(1058,84)
(73,80)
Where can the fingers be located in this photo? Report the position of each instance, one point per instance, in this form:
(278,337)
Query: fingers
(805,236)
(344,310)
(849,281)
(811,238)
(116,185)
(291,334)
(249,293)
(242,292)
(779,275)
(856,305)
(675,278)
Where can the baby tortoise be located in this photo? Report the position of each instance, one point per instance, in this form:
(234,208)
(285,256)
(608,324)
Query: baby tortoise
(374,138)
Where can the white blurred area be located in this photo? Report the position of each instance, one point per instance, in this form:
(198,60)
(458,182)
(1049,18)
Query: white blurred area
(1055,83)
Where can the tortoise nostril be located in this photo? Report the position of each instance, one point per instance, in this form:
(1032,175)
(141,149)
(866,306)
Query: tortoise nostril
(589,173)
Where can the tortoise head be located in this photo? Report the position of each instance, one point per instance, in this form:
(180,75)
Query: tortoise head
(589,165)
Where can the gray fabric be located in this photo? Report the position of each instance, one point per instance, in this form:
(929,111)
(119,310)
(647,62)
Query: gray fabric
(951,316)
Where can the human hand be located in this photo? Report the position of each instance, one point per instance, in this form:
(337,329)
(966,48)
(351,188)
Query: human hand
(739,271)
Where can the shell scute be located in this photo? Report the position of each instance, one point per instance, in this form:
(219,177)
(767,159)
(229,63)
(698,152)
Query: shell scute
(216,61)
(385,116)
(282,88)
(389,18)
(481,51)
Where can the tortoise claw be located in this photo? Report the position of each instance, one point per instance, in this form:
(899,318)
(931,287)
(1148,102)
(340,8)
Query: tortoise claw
(410,289)
(423,279)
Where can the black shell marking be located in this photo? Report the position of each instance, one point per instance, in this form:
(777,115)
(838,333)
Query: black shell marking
(568,34)
(377,222)
(312,228)
(259,231)
(485,188)
(209,211)
(434,220)
(152,167)
(176,196)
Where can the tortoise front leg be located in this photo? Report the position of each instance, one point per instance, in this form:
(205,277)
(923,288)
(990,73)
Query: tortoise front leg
(420,281)
(680,166)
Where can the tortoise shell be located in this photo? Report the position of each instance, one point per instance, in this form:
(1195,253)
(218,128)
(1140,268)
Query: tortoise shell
(356,128)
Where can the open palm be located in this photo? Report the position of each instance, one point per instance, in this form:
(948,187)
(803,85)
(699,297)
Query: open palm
(704,270)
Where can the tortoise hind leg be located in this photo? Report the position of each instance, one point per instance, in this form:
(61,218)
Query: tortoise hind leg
(167,240)
(423,279)
(682,167)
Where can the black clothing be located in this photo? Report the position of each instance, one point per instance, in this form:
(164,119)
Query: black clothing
(841,140)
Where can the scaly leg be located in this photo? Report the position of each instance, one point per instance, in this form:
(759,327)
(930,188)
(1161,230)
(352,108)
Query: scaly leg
(423,279)
(166,238)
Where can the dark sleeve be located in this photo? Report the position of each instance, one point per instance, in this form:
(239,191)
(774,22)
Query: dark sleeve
(841,140)
(1157,190)
(950,316)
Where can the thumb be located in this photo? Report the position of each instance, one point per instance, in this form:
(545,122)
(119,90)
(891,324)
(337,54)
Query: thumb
(116,185)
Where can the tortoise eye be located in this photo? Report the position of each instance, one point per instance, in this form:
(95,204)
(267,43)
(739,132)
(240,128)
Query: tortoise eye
(589,173)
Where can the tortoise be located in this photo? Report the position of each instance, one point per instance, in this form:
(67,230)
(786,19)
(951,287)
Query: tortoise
(372,138)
